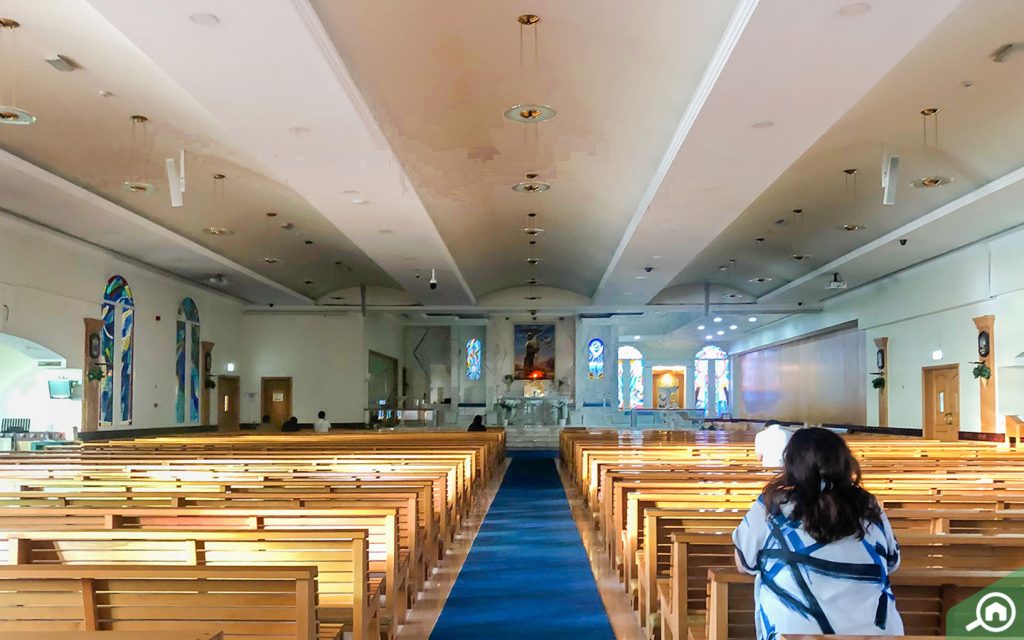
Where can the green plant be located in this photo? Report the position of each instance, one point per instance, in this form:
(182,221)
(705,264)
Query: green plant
(95,373)
(981,370)
(878,383)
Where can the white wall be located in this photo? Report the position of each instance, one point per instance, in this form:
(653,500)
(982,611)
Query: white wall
(51,282)
(325,355)
(24,393)
(928,308)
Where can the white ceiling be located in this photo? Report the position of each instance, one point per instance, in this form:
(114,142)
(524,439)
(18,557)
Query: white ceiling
(310,105)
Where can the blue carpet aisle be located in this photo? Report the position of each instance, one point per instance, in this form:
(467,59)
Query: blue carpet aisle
(527,575)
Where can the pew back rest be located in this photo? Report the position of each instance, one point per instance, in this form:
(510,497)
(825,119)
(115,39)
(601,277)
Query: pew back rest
(271,603)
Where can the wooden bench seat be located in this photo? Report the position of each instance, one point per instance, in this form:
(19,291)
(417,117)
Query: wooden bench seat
(261,603)
(112,635)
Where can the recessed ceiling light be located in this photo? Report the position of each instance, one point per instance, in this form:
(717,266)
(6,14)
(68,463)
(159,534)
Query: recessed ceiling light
(763,124)
(132,186)
(204,19)
(529,113)
(760,279)
(217,279)
(752,319)
(270,260)
(855,9)
(532,231)
(732,296)
(636,337)
(720,332)
(929,182)
(733,327)
(716,319)
(359,201)
(287,226)
(853,227)
(103,93)
(218,231)
(641,277)
(799,256)
(531,187)
(709,337)
(533,261)
(700,327)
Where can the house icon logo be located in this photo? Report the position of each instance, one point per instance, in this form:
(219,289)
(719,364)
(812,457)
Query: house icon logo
(995,613)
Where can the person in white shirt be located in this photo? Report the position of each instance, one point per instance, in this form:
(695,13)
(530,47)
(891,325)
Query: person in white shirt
(321,425)
(770,443)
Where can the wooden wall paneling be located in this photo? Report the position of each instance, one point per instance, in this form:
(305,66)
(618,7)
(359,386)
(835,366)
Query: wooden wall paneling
(90,388)
(882,344)
(206,354)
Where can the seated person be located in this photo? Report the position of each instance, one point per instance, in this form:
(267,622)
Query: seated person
(321,425)
(770,443)
(477,424)
(820,546)
(290,425)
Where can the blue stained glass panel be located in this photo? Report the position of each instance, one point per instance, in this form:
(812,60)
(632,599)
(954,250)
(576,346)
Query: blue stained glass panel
(595,359)
(117,296)
(474,350)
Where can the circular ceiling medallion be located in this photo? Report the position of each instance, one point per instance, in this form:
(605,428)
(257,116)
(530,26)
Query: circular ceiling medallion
(13,115)
(531,187)
(529,113)
(132,186)
(929,182)
(218,231)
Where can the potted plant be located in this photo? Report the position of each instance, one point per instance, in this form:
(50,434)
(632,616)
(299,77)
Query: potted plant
(981,371)
(563,412)
(95,373)
(506,411)
(878,382)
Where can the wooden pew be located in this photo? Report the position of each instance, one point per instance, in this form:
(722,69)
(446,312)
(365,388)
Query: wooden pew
(923,599)
(262,603)
(112,635)
(347,596)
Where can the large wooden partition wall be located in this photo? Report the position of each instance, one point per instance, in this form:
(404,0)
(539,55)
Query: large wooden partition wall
(818,379)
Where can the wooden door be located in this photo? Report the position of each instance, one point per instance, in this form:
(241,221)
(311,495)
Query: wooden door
(942,402)
(228,416)
(276,399)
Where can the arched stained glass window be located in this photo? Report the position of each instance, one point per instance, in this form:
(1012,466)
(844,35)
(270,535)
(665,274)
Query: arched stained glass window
(595,359)
(474,350)
(118,347)
(187,349)
(712,383)
(631,377)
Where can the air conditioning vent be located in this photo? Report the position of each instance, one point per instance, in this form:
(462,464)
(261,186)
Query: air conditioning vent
(50,364)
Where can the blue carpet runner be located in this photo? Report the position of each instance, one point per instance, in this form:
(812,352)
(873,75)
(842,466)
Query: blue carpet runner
(527,574)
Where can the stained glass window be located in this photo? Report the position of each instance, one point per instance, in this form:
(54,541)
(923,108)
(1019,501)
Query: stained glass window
(631,377)
(117,348)
(473,353)
(595,359)
(712,384)
(187,363)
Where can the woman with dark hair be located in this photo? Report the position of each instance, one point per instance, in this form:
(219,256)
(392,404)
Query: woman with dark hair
(820,546)
(477,424)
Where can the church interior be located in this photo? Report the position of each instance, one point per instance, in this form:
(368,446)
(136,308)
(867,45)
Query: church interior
(397,320)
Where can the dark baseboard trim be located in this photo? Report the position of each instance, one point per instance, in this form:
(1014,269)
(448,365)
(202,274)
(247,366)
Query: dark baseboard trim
(126,434)
(977,436)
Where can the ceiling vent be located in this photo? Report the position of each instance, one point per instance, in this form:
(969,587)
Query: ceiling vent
(50,364)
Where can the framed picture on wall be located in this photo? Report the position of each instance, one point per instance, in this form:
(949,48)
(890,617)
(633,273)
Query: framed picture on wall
(534,351)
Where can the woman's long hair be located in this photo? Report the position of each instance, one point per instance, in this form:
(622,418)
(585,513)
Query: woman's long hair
(820,478)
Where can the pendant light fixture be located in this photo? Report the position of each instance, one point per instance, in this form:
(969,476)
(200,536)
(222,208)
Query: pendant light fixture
(136,182)
(9,112)
(930,116)
(220,228)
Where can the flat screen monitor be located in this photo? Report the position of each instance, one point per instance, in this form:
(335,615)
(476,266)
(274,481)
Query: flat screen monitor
(61,389)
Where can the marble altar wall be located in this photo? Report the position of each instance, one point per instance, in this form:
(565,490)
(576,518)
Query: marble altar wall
(498,357)
(428,363)
(593,393)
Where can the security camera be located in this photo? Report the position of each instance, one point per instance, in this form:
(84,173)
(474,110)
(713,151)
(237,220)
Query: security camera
(799,304)
(903,242)
(271,304)
(648,269)
(433,279)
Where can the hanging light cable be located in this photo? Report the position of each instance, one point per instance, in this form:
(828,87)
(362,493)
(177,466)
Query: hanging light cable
(136,180)
(9,112)
(931,114)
